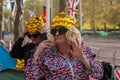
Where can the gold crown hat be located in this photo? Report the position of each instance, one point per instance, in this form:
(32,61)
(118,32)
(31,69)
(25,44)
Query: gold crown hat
(63,21)
(34,23)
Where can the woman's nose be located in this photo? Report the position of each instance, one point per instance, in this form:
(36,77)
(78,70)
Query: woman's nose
(57,33)
(31,37)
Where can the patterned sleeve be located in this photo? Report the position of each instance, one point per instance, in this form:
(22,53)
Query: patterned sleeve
(34,69)
(97,69)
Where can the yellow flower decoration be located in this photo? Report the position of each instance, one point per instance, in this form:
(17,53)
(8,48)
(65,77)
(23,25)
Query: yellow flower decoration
(20,64)
(34,24)
(63,21)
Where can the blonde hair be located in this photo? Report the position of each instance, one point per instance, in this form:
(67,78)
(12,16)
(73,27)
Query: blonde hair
(72,34)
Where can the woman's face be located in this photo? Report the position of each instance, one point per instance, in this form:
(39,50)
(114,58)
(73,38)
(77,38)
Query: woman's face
(60,39)
(59,35)
(35,37)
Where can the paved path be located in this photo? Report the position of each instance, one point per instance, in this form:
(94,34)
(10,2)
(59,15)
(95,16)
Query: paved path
(104,45)
(106,51)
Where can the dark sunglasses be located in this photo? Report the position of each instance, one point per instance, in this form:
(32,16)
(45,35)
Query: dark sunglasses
(61,30)
(33,35)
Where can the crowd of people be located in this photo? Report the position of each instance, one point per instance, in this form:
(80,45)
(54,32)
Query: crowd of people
(58,53)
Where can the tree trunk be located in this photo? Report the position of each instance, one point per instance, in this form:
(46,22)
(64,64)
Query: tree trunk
(1,5)
(114,29)
(105,27)
(17,20)
(119,26)
(62,5)
(92,24)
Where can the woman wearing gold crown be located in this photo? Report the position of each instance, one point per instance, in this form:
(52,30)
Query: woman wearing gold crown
(67,59)
(36,32)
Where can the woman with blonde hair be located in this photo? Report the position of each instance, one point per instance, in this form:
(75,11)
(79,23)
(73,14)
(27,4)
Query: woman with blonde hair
(67,58)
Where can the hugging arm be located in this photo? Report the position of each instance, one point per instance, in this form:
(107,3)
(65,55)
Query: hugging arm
(35,69)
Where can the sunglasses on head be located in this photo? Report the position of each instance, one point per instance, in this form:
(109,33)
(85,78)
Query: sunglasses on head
(33,35)
(61,30)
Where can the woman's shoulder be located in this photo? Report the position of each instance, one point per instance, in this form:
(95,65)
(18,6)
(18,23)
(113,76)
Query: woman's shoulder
(89,52)
(29,46)
(87,48)
(50,51)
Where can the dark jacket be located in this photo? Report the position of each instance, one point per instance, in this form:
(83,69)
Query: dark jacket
(24,51)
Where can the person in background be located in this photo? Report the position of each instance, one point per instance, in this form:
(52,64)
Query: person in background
(2,42)
(36,32)
(66,58)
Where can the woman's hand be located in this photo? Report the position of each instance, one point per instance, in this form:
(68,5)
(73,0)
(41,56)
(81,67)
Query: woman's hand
(76,49)
(24,33)
(43,45)
(43,29)
(78,53)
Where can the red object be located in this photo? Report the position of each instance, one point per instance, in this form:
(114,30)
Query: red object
(44,13)
(117,75)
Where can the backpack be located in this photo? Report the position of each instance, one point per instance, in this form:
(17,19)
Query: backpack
(108,71)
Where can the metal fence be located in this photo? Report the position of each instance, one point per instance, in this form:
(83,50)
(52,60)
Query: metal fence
(108,55)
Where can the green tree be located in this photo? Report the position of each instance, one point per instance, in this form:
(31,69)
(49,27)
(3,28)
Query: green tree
(101,13)
(55,8)
(35,6)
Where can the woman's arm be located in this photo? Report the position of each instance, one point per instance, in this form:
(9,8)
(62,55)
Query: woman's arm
(96,67)
(17,49)
(34,68)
